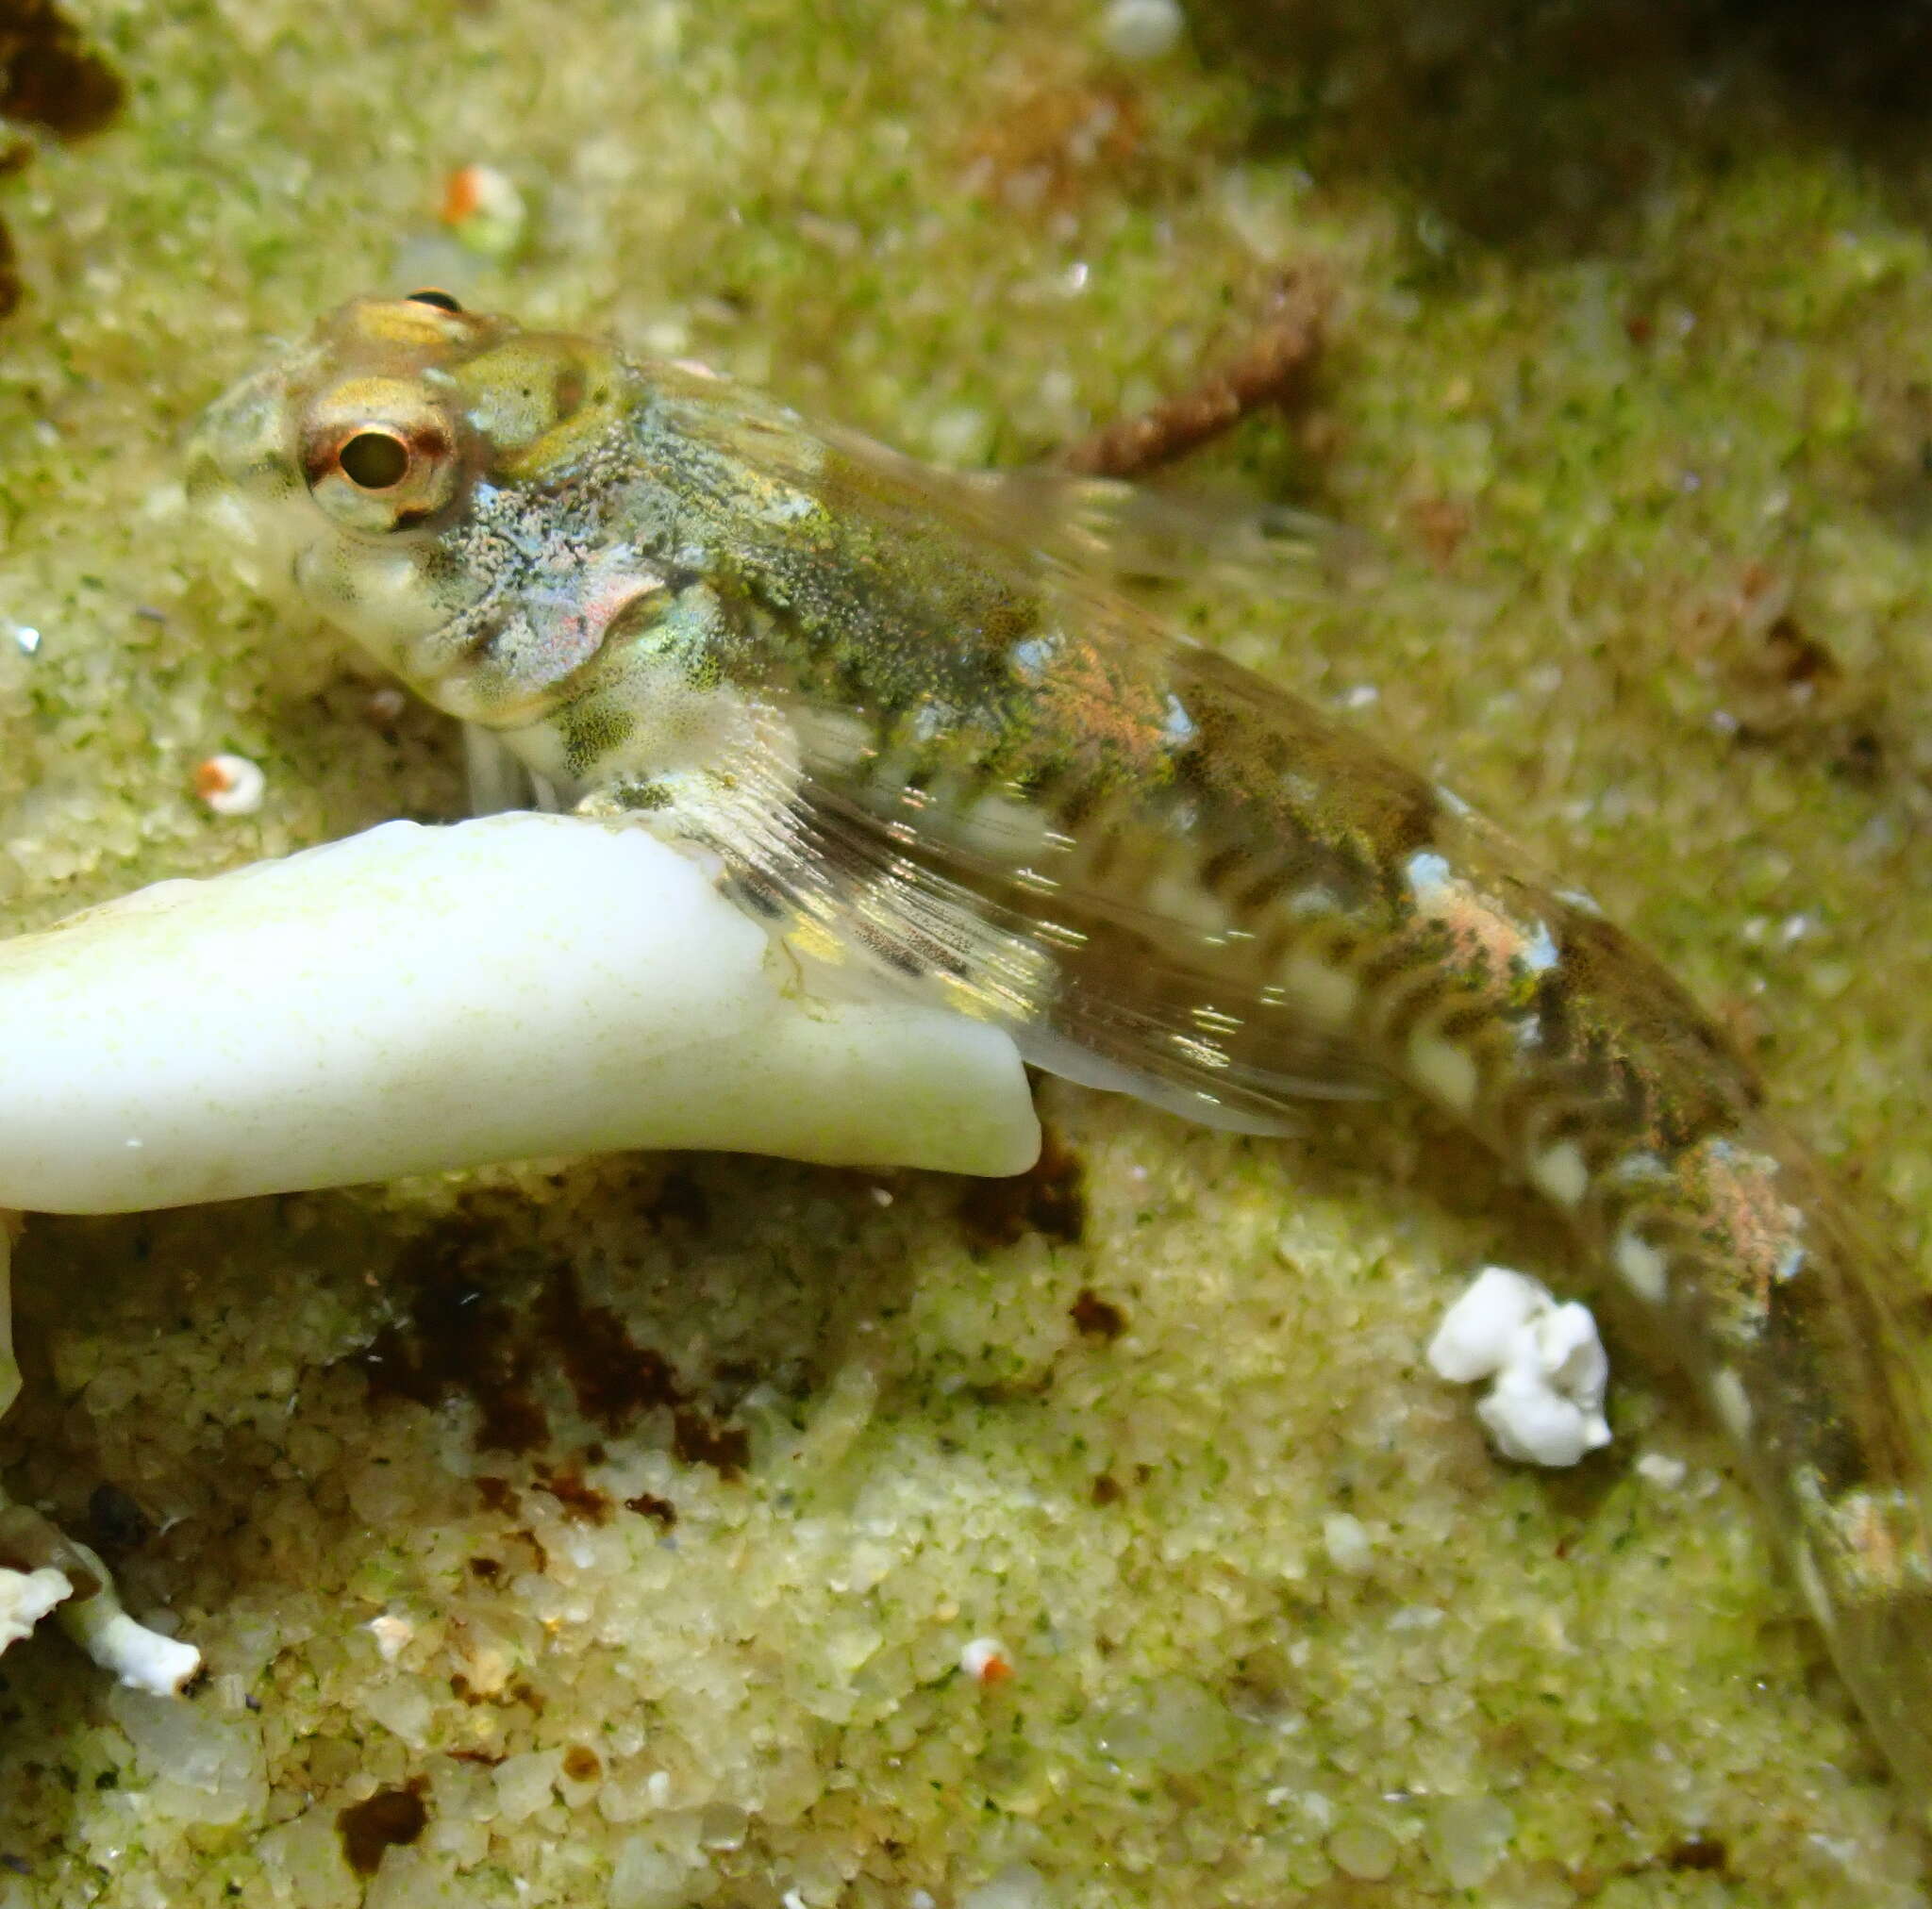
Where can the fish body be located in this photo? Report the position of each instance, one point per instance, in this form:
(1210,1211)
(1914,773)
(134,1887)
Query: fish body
(923,735)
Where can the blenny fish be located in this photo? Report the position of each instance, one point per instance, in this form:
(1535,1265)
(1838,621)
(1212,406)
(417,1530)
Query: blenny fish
(916,726)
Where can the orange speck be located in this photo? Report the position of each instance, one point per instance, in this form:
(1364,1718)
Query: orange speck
(986,1662)
(212,778)
(462,194)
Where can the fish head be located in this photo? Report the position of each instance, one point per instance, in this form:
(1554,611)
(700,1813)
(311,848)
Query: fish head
(403,469)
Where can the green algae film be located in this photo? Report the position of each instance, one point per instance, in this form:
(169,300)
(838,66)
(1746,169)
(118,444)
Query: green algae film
(1618,456)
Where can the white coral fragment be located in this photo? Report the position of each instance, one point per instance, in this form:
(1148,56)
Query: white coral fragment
(45,1571)
(1545,1406)
(29,1587)
(139,1657)
(419,999)
(9,1366)
(26,1597)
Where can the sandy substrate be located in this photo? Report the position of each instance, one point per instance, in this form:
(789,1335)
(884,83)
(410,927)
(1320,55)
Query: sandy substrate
(612,1535)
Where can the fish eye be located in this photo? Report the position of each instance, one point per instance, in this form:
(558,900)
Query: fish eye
(381,454)
(442,301)
(373,460)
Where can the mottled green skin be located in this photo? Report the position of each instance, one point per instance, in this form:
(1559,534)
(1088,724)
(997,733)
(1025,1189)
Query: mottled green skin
(928,741)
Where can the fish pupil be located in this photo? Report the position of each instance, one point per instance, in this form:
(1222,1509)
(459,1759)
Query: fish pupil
(373,460)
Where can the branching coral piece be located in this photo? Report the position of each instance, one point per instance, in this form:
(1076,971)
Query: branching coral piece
(43,1570)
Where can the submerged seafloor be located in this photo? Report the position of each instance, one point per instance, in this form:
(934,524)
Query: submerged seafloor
(679,1486)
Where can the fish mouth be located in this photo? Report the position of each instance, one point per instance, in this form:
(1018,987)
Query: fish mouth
(241,482)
